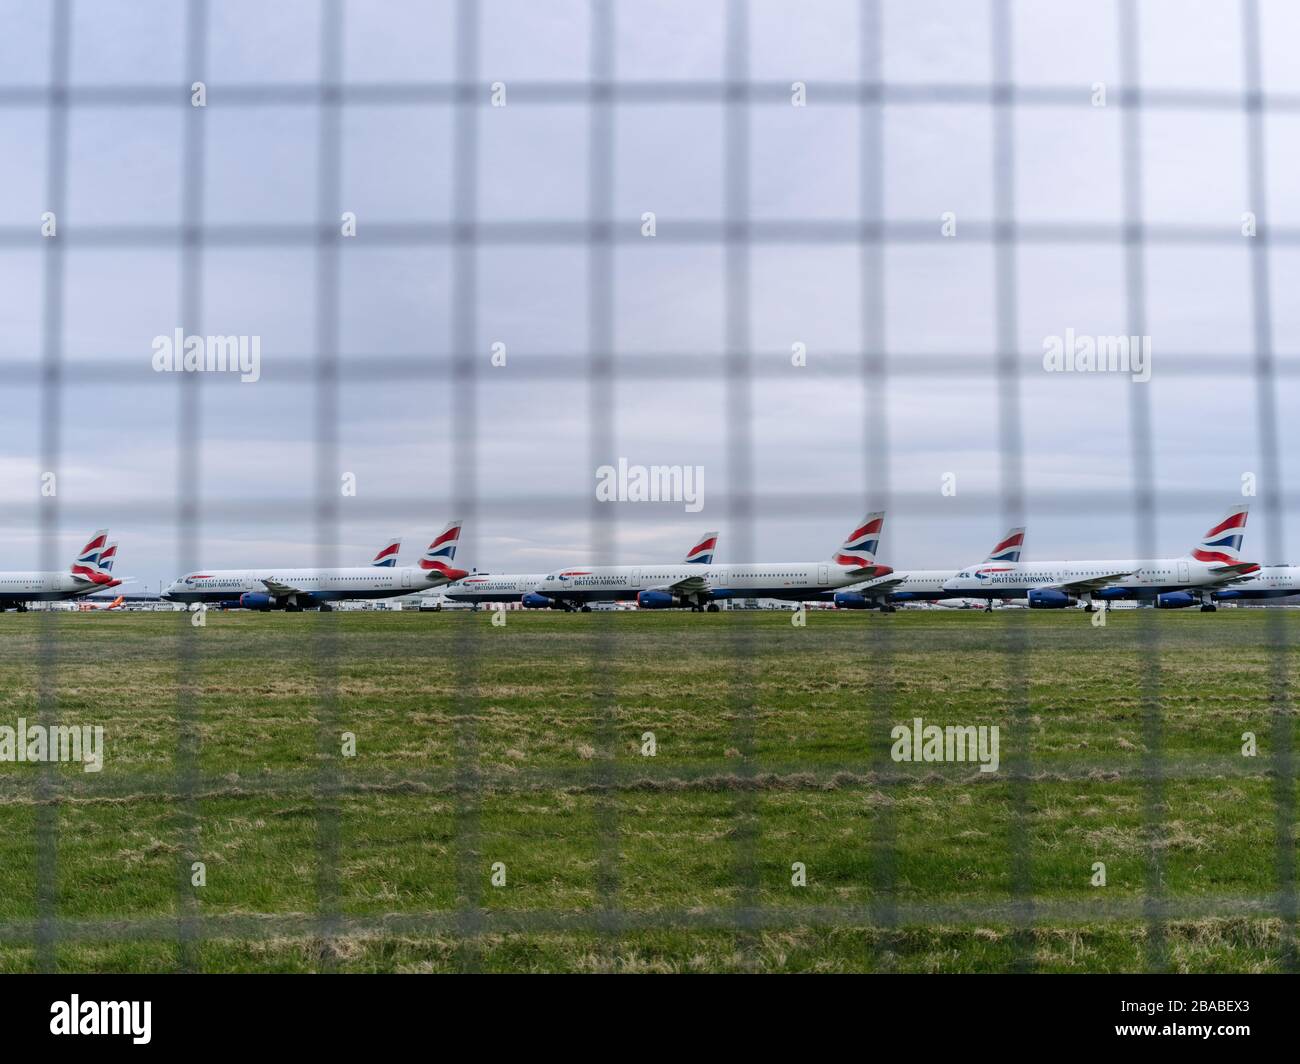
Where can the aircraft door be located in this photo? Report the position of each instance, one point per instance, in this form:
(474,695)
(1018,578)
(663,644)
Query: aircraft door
(406,576)
(1183,575)
(823,575)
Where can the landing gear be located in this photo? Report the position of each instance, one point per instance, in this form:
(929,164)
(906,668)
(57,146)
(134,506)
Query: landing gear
(325,607)
(712,607)
(22,607)
(292,607)
(1208,607)
(887,608)
(586,609)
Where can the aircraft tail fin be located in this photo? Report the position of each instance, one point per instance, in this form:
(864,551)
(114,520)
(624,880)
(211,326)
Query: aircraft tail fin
(108,557)
(87,565)
(1222,543)
(1008,547)
(702,552)
(387,556)
(442,551)
(858,551)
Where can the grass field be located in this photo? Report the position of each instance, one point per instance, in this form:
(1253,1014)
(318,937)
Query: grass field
(522,746)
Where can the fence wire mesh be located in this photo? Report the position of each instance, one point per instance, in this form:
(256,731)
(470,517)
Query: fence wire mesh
(61,378)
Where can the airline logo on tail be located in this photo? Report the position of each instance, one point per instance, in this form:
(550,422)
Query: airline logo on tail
(442,551)
(107,558)
(87,566)
(859,550)
(1222,543)
(1008,548)
(387,556)
(702,552)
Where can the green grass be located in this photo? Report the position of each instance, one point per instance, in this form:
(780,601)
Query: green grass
(522,745)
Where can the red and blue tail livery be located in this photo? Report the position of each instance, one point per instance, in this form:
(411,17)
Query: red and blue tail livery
(702,552)
(91,551)
(1167,583)
(387,556)
(442,551)
(87,566)
(1008,547)
(699,587)
(319,588)
(859,550)
(88,573)
(107,558)
(1222,543)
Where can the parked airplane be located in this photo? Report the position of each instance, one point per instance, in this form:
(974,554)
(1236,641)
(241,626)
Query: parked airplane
(920,585)
(696,584)
(1210,565)
(83,576)
(481,588)
(116,604)
(297,589)
(1269,582)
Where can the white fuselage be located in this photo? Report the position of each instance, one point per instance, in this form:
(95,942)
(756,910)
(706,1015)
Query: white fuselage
(490,587)
(791,580)
(917,585)
(19,588)
(1140,579)
(309,586)
(1269,582)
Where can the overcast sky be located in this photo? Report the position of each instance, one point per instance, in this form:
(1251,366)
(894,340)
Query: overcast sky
(536,477)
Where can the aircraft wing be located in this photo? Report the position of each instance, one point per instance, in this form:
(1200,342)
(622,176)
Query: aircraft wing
(1087,584)
(691,585)
(277,588)
(880,584)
